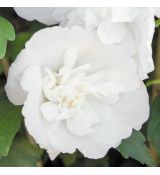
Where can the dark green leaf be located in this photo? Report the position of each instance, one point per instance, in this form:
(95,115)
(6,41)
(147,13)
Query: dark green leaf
(6,33)
(10,121)
(21,154)
(77,159)
(136,148)
(15,47)
(69,159)
(153,130)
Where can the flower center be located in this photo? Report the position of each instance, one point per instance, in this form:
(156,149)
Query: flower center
(69,87)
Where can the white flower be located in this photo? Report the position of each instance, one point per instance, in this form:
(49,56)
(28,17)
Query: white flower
(113,25)
(77,92)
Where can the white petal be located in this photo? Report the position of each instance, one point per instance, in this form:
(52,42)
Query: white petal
(13,89)
(157,12)
(115,58)
(143,29)
(111,33)
(91,18)
(70,58)
(133,108)
(53,153)
(79,127)
(61,139)
(111,132)
(60,13)
(31,112)
(126,14)
(82,122)
(49,111)
(131,111)
(33,117)
(74,18)
(41,14)
(93,149)
(104,76)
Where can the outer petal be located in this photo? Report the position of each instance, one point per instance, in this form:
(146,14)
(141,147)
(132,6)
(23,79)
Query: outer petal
(61,139)
(138,103)
(32,83)
(93,149)
(143,29)
(130,112)
(13,88)
(41,14)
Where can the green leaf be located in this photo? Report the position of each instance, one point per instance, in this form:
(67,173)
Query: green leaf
(21,154)
(3,45)
(6,33)
(10,122)
(15,47)
(153,130)
(157,23)
(136,148)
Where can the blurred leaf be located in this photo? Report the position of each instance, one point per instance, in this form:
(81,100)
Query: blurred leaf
(10,122)
(21,154)
(6,33)
(78,160)
(3,45)
(136,148)
(152,82)
(103,162)
(15,47)
(157,23)
(153,130)
(35,26)
(69,159)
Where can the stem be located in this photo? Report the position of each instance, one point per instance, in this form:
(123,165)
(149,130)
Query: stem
(5,65)
(153,82)
(156,88)
(154,153)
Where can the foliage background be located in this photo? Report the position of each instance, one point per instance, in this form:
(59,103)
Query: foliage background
(17,147)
